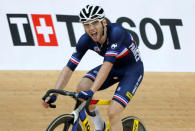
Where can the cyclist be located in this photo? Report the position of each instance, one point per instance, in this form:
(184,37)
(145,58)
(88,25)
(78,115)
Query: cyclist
(122,64)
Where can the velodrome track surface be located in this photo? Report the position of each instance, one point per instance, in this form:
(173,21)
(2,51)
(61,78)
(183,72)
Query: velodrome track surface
(164,101)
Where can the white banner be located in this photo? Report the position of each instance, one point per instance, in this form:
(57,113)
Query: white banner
(41,34)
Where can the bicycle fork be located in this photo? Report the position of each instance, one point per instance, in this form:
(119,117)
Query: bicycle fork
(84,121)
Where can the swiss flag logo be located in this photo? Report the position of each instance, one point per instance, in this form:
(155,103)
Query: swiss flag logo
(44,30)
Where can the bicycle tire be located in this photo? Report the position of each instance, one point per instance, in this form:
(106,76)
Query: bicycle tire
(132,123)
(66,120)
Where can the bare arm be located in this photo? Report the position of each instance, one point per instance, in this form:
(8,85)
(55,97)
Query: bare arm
(102,75)
(64,77)
(62,81)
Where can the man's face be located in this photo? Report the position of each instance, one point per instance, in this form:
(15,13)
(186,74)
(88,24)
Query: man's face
(94,29)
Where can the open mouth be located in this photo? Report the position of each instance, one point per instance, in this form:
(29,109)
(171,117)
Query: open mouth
(94,35)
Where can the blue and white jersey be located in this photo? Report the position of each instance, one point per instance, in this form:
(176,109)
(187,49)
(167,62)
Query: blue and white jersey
(119,48)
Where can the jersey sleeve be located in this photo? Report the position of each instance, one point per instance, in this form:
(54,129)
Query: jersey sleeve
(113,51)
(80,51)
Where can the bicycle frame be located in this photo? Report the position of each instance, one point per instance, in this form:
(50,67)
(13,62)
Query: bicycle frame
(79,114)
(83,116)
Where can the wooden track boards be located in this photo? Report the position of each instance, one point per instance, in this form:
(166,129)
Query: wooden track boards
(164,101)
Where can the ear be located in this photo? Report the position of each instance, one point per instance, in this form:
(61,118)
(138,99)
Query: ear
(104,21)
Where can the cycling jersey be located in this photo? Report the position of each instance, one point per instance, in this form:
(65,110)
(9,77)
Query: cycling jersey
(119,49)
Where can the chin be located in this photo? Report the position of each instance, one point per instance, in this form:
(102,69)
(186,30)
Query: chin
(96,40)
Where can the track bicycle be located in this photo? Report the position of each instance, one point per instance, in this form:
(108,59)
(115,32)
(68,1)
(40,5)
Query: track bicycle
(77,120)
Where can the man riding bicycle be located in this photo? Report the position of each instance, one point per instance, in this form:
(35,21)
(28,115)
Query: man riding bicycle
(122,64)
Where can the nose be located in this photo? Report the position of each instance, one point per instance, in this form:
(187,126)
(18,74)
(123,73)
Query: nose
(91,27)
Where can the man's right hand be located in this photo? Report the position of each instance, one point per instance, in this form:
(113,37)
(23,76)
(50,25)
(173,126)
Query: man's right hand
(48,100)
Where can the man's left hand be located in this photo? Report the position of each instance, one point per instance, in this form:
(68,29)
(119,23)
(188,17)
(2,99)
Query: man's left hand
(85,94)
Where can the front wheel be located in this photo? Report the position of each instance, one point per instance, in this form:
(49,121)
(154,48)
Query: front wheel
(132,123)
(63,123)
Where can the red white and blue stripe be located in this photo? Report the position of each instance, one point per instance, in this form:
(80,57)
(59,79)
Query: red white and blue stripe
(90,76)
(123,53)
(74,60)
(121,99)
(111,53)
(132,39)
